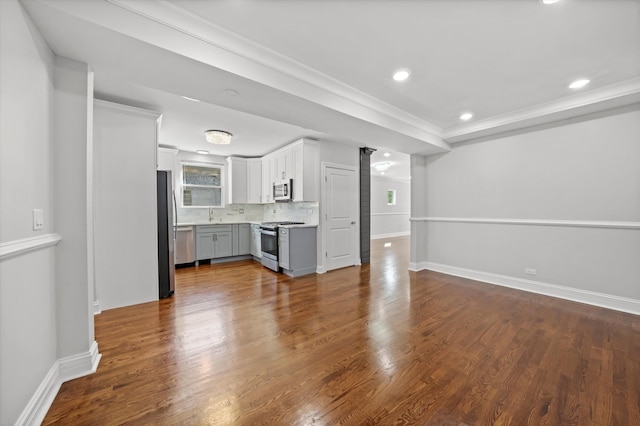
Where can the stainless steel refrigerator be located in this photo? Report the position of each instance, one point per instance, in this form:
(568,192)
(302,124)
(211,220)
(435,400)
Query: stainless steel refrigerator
(166,265)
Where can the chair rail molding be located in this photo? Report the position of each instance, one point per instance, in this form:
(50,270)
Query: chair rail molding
(533,222)
(26,245)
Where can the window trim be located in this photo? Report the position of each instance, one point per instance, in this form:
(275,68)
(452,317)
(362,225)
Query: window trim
(394,200)
(210,166)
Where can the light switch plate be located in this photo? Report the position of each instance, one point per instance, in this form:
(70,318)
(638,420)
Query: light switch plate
(38,219)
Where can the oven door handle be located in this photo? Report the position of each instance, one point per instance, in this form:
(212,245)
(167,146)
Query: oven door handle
(272,233)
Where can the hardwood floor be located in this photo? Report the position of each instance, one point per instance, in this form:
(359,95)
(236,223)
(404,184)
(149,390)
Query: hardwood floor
(239,344)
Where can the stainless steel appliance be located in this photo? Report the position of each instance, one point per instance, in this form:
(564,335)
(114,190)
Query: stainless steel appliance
(269,243)
(283,190)
(166,236)
(185,247)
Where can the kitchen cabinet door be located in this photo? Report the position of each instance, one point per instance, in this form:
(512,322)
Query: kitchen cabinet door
(268,177)
(204,246)
(254,180)
(284,165)
(237,180)
(244,239)
(223,244)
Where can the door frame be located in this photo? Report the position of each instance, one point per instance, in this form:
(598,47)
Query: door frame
(324,229)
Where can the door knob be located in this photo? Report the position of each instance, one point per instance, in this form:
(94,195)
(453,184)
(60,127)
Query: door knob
(353,222)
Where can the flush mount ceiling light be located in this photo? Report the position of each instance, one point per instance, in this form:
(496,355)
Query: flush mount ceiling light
(466,116)
(387,154)
(549,1)
(218,137)
(579,83)
(202,151)
(402,74)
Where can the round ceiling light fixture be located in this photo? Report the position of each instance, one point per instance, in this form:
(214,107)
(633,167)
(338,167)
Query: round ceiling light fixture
(218,137)
(466,116)
(402,74)
(382,166)
(202,151)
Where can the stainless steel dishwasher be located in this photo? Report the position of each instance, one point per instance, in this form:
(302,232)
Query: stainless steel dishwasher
(185,247)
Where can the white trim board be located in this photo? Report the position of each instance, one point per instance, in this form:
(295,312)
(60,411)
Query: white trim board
(18,247)
(608,301)
(391,214)
(61,371)
(392,235)
(533,222)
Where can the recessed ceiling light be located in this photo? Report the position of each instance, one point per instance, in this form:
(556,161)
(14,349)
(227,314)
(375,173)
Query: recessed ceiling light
(191,99)
(579,83)
(402,74)
(549,1)
(381,173)
(202,151)
(466,116)
(387,154)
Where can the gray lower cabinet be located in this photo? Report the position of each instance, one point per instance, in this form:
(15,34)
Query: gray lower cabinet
(241,239)
(297,251)
(214,241)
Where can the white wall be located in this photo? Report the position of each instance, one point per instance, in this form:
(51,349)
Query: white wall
(346,155)
(126,239)
(45,319)
(390,220)
(27,293)
(582,178)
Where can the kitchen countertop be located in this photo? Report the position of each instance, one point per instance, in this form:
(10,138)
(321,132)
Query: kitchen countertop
(305,225)
(215,223)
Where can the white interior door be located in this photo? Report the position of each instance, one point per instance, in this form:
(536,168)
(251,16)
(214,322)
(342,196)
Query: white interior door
(341,213)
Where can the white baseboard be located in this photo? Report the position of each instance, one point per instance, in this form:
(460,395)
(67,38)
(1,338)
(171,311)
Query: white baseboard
(62,370)
(392,235)
(608,301)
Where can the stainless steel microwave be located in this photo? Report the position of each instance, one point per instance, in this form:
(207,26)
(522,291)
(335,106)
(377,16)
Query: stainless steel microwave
(283,190)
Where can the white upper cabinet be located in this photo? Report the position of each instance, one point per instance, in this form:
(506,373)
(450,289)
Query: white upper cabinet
(306,173)
(285,168)
(251,179)
(254,180)
(237,182)
(268,178)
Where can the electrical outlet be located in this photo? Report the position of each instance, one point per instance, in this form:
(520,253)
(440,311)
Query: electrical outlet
(274,210)
(530,271)
(241,211)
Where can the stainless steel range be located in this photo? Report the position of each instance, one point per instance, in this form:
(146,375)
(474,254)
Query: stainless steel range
(269,243)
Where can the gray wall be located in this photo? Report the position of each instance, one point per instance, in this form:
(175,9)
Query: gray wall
(567,180)
(386,220)
(45,292)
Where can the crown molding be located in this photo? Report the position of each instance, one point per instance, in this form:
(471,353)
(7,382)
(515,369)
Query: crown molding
(609,97)
(157,22)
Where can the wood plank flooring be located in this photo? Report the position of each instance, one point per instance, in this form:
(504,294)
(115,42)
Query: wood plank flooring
(241,345)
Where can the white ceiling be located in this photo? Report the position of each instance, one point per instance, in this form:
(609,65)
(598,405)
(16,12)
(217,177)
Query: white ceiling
(322,69)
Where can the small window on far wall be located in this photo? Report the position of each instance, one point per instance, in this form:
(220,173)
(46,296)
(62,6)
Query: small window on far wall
(202,185)
(391,197)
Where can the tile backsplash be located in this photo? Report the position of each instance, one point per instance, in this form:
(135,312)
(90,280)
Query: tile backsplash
(306,212)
